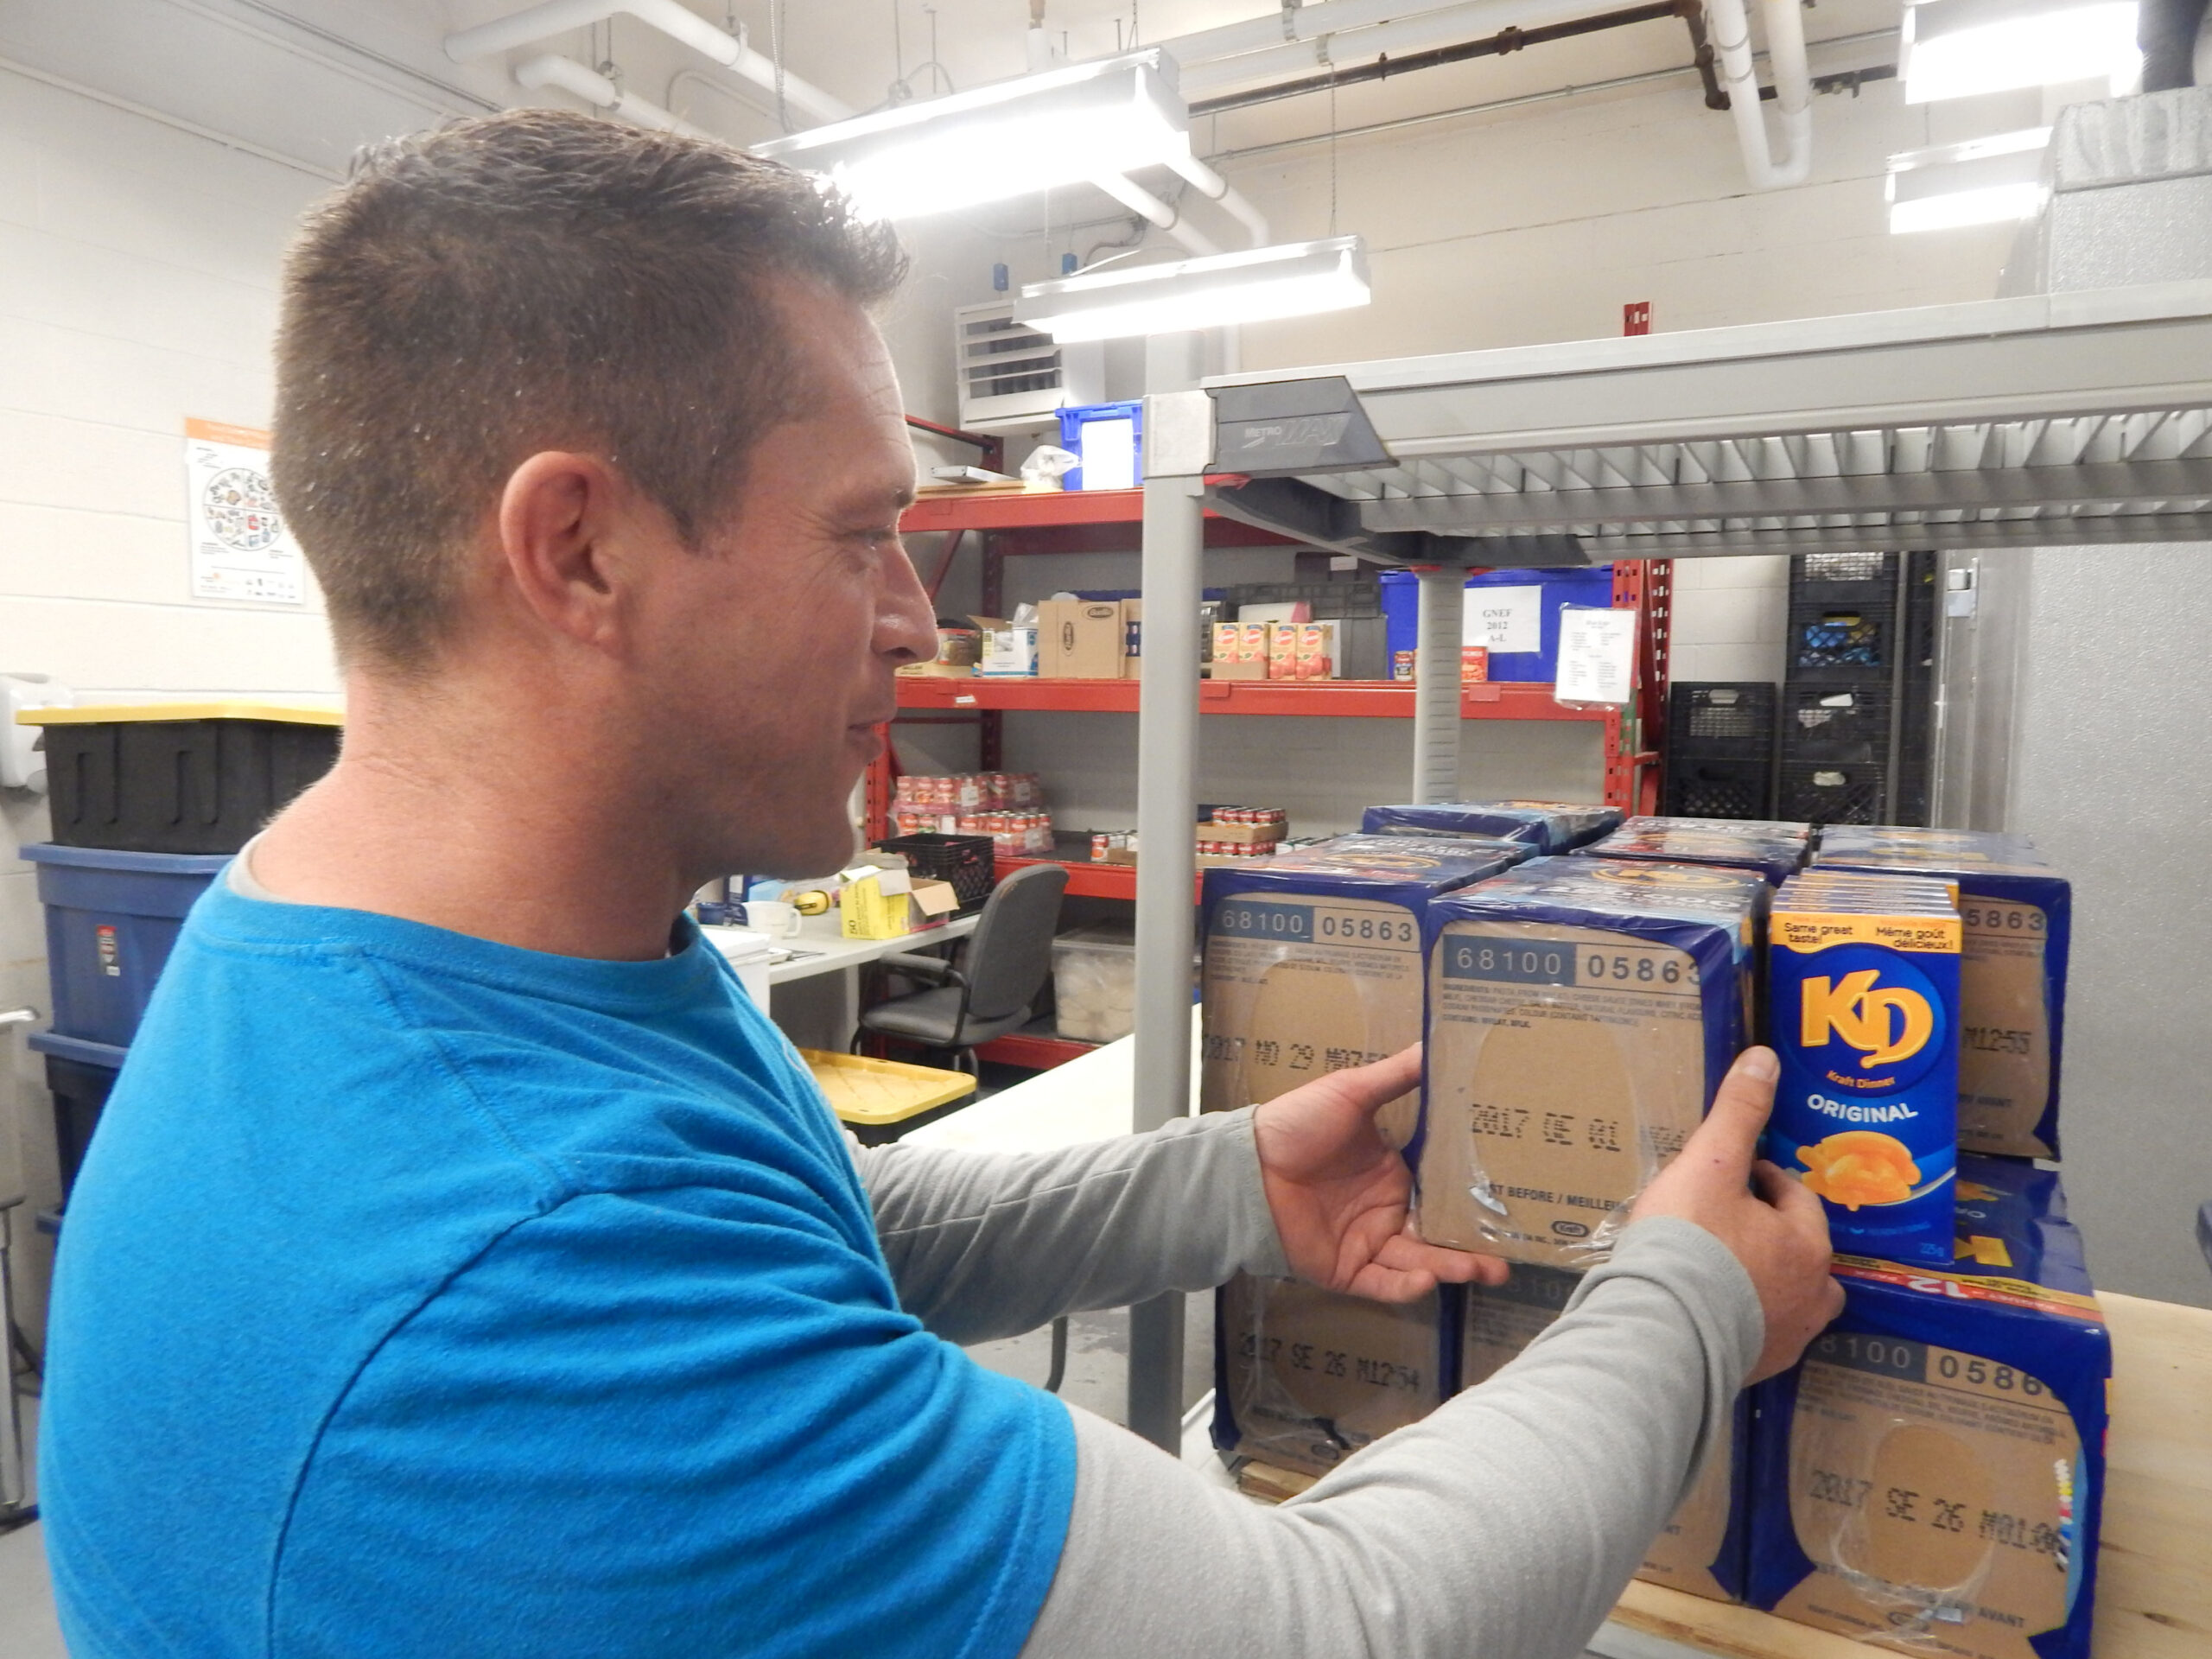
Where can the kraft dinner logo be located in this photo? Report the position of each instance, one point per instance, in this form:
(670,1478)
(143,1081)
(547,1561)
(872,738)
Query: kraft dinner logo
(1883,1012)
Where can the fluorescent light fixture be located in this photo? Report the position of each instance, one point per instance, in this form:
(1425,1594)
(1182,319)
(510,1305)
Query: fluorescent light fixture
(1957,48)
(1013,138)
(1293,279)
(1982,181)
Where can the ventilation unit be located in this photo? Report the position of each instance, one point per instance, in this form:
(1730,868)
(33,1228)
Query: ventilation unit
(1013,375)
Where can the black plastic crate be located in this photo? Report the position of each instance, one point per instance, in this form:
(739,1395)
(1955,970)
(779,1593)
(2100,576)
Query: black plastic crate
(1832,641)
(1843,578)
(1837,723)
(1700,788)
(137,780)
(1814,791)
(1718,720)
(969,862)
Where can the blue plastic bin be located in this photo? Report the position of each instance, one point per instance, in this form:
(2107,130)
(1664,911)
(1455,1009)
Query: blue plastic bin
(80,1075)
(112,919)
(1076,426)
(1584,584)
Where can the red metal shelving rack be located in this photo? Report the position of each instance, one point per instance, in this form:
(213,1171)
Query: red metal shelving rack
(1014,524)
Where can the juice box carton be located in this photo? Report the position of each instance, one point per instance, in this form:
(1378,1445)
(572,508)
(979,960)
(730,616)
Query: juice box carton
(1703,1548)
(1774,849)
(1930,1478)
(1313,963)
(1304,1377)
(1863,998)
(2017,913)
(1577,1025)
(1548,826)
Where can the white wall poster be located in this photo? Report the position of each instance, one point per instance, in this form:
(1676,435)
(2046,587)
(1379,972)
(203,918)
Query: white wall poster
(1597,655)
(240,548)
(1503,619)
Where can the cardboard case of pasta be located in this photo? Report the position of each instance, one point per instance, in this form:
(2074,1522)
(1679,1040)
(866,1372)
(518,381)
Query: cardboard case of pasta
(1930,1478)
(1548,826)
(1580,1019)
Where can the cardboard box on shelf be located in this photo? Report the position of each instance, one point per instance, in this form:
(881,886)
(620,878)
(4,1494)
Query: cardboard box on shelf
(1930,1478)
(1313,963)
(1239,670)
(1008,650)
(1577,1028)
(1304,1377)
(890,904)
(1079,638)
(1702,1548)
(1133,638)
(1244,834)
(2017,916)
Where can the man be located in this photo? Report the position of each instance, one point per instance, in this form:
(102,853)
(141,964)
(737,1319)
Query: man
(466,1269)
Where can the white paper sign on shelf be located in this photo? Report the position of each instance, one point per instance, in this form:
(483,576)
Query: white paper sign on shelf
(1503,619)
(1597,655)
(240,547)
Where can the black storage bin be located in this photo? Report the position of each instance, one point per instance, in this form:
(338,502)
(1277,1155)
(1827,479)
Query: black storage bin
(1721,720)
(1829,641)
(1701,788)
(80,1090)
(1837,723)
(182,778)
(1814,791)
(969,862)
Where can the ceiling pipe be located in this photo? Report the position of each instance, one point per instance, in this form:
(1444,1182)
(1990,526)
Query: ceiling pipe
(1292,22)
(1416,33)
(1731,27)
(671,17)
(554,70)
(1143,203)
(1212,185)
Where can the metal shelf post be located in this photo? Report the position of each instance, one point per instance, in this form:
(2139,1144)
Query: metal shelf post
(1436,684)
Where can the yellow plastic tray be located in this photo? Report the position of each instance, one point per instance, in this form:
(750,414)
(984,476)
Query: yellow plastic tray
(873,1092)
(99,712)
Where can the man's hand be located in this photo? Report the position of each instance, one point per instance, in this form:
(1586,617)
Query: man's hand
(1339,1192)
(1778,1231)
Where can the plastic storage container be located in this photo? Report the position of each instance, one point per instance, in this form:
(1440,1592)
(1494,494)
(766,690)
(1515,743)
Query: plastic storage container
(112,919)
(80,1075)
(179,778)
(1839,723)
(1701,788)
(1095,981)
(1111,435)
(969,862)
(1815,791)
(1721,720)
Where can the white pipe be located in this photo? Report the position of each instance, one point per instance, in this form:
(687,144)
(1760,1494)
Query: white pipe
(1306,55)
(1730,27)
(1294,22)
(1211,185)
(1141,201)
(671,17)
(554,70)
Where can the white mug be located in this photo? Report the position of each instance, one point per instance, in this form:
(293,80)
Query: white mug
(773,916)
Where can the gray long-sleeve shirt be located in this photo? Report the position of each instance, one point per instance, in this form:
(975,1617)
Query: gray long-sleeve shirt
(1503,1526)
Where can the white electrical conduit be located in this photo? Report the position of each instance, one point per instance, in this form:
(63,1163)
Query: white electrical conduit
(1211,185)
(1141,201)
(554,70)
(1291,23)
(1729,27)
(1444,27)
(669,17)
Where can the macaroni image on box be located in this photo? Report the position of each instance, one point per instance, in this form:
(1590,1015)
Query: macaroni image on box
(1313,963)
(2017,916)
(1702,1548)
(1863,999)
(1576,1029)
(1548,826)
(1304,1377)
(1929,1479)
(1775,850)
(1515,852)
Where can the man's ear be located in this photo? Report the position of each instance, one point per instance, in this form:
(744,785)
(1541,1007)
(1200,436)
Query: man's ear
(559,523)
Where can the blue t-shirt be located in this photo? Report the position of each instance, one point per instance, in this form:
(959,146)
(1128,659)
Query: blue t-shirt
(424,1295)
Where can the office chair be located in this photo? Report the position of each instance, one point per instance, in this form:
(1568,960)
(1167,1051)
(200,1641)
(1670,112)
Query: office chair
(999,973)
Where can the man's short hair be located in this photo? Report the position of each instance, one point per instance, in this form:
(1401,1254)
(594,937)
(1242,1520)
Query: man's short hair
(534,280)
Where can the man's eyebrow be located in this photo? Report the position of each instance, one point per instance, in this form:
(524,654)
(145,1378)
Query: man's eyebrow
(867,502)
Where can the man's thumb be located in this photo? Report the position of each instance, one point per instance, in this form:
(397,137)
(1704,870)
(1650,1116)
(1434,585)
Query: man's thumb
(1730,1133)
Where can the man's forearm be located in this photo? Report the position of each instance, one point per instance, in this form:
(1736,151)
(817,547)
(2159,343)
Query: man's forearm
(1503,1526)
(985,1245)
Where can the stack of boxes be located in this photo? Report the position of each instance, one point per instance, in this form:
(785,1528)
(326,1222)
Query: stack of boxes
(1931,1474)
(1858,688)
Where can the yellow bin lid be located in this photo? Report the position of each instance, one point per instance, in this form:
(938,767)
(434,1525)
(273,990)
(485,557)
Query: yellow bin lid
(91,714)
(873,1092)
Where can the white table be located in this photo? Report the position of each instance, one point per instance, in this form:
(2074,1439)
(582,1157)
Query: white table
(829,951)
(815,998)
